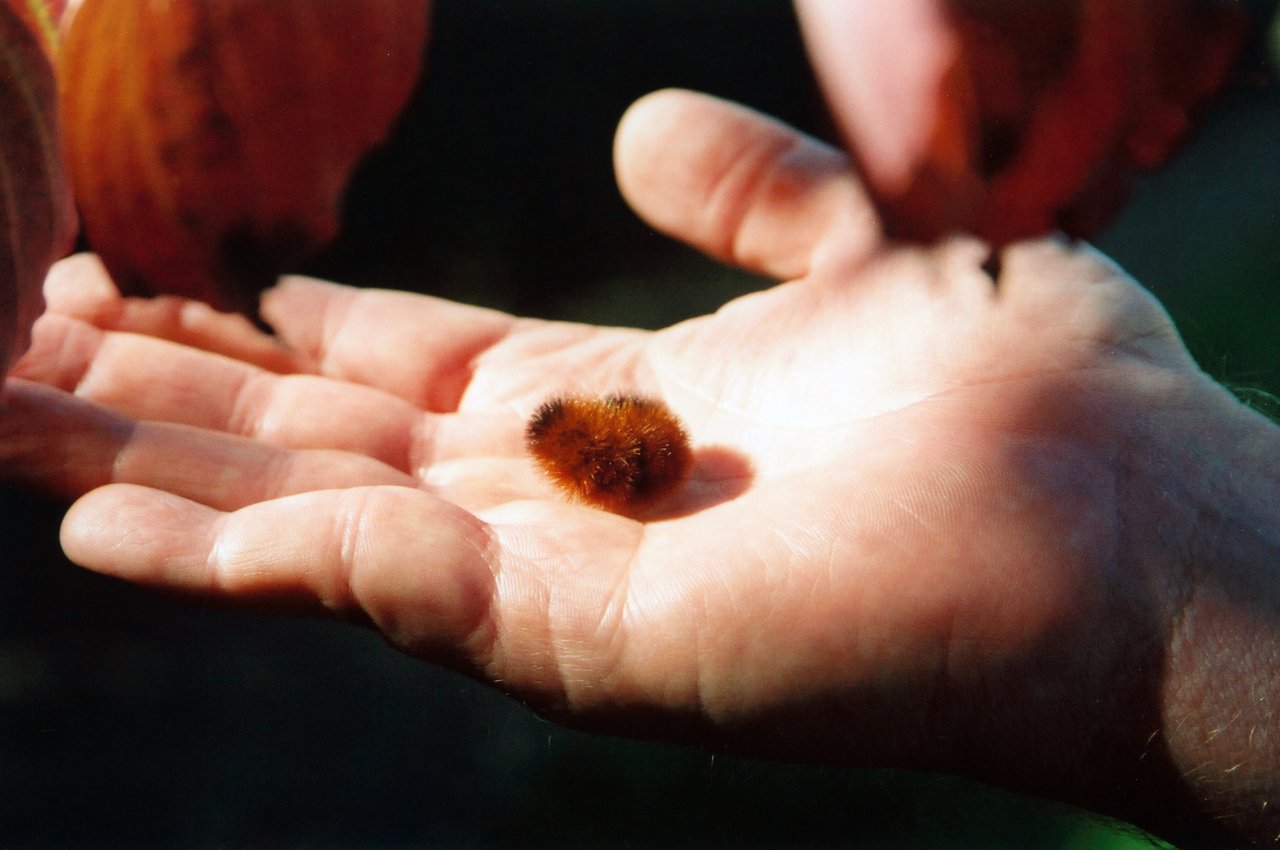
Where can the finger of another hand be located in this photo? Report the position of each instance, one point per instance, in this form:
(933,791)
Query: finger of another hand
(737,185)
(415,566)
(64,445)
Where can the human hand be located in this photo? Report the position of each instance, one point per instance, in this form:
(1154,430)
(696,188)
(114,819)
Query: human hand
(933,521)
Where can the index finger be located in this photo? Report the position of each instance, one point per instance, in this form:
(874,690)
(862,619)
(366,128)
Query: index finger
(417,347)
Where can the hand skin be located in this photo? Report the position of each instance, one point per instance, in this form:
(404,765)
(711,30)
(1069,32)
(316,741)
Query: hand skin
(1004,529)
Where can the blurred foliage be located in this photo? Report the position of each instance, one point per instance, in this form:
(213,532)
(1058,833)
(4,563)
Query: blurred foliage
(128,720)
(1275,41)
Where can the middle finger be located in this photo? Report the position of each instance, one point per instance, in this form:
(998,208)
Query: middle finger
(156,380)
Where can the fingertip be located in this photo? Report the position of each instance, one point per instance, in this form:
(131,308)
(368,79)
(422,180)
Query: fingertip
(134,532)
(289,293)
(79,286)
(665,148)
(642,130)
(296,309)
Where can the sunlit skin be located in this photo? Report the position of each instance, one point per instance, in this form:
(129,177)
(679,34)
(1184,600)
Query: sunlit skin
(1006,529)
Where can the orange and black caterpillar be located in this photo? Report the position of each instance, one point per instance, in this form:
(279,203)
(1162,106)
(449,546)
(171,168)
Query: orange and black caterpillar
(620,452)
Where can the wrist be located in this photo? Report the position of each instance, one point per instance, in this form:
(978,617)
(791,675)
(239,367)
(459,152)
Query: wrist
(1211,511)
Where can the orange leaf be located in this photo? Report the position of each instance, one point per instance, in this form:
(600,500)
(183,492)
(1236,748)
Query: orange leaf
(210,141)
(37,221)
(1013,119)
(42,17)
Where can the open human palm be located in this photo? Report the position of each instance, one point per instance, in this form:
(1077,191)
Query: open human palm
(901,542)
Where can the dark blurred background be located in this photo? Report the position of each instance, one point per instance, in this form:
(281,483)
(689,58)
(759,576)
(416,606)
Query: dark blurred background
(131,721)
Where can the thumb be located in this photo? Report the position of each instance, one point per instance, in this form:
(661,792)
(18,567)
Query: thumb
(737,185)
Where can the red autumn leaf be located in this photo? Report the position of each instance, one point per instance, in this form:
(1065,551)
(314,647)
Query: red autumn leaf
(37,221)
(43,18)
(210,141)
(1011,119)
